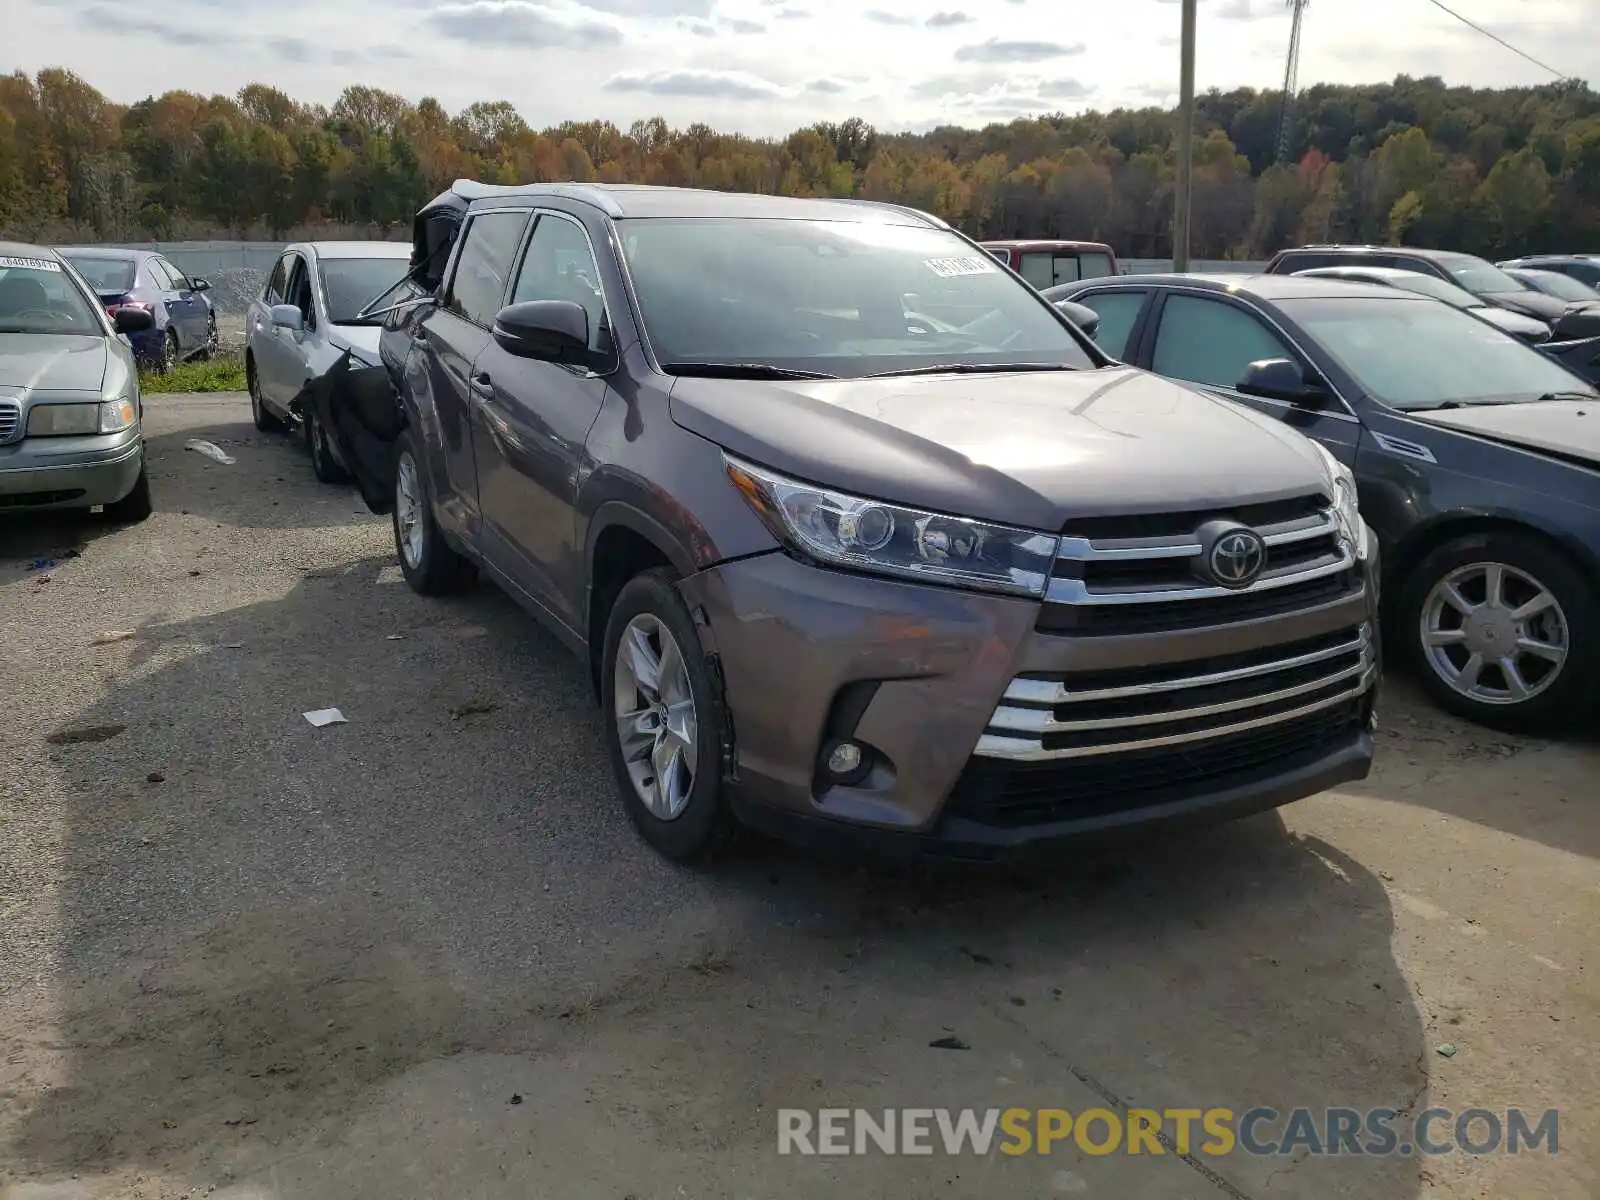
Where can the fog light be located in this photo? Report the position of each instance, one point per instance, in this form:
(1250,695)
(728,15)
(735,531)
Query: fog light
(845,758)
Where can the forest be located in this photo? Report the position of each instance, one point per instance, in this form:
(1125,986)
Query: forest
(1416,161)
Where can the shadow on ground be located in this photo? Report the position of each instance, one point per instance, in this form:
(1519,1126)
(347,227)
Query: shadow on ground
(266,926)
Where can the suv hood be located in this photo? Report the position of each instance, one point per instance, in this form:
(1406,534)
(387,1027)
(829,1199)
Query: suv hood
(1515,323)
(360,340)
(1529,303)
(52,362)
(1032,450)
(1569,429)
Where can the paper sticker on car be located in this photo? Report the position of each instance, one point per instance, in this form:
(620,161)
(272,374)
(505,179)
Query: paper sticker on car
(30,264)
(948,268)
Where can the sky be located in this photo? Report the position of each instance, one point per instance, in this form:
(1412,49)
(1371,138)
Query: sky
(765,67)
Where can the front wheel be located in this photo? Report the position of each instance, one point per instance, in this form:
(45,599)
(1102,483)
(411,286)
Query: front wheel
(264,420)
(323,465)
(135,506)
(431,566)
(1503,630)
(663,722)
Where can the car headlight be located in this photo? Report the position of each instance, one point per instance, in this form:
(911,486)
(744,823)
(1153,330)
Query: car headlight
(1346,503)
(869,535)
(63,420)
(117,415)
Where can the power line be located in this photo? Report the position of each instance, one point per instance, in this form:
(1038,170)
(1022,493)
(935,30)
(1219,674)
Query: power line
(1497,38)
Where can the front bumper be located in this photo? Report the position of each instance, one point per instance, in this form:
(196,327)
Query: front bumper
(918,675)
(70,472)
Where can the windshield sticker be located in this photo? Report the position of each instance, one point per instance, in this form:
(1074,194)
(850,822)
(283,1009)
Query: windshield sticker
(948,268)
(30,264)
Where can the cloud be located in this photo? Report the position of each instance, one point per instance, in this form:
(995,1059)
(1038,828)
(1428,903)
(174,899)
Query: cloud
(739,25)
(1065,89)
(887,18)
(997,51)
(947,20)
(825,87)
(106,17)
(1241,10)
(520,23)
(701,85)
(792,14)
(698,28)
(292,48)
(940,87)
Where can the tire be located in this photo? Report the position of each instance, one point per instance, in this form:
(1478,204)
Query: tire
(323,465)
(169,352)
(702,825)
(264,420)
(1437,638)
(208,351)
(431,566)
(135,506)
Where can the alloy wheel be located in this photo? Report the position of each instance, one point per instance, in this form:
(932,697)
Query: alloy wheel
(655,714)
(1494,634)
(408,511)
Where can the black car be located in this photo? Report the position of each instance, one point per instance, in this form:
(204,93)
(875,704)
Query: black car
(1554,283)
(1585,268)
(1477,460)
(1479,276)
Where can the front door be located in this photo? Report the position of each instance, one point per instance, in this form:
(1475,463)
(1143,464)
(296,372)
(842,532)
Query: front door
(278,371)
(532,420)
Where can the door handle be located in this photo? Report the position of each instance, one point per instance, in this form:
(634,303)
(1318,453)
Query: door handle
(482,383)
(421,334)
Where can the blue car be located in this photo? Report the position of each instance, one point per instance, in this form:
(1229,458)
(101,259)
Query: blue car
(185,323)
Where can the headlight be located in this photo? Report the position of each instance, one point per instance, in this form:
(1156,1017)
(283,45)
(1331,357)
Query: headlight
(63,420)
(848,531)
(117,415)
(1346,503)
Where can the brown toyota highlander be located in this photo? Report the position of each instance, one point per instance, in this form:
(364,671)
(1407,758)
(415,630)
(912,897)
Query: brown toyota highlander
(857,534)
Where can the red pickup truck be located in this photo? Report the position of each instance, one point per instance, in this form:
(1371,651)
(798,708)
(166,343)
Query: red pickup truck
(1046,263)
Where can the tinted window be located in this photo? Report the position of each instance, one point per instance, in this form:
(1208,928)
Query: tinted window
(298,291)
(483,267)
(1288,264)
(1478,276)
(1118,311)
(558,265)
(278,281)
(179,279)
(350,284)
(37,296)
(1411,354)
(104,274)
(1432,285)
(1094,265)
(1562,287)
(1211,341)
(840,297)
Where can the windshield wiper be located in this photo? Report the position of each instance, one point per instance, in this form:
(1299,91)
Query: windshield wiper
(1566,396)
(972,369)
(716,370)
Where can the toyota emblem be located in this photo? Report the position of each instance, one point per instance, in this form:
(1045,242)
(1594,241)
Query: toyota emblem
(1237,557)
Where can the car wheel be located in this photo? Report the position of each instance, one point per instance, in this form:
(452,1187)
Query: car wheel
(663,722)
(135,506)
(1503,630)
(323,465)
(264,420)
(209,350)
(431,566)
(169,351)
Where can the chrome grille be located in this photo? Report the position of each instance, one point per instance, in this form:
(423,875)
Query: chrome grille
(10,422)
(1085,715)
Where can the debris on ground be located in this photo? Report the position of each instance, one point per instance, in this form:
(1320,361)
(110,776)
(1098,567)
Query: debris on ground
(473,708)
(85,733)
(211,450)
(155,777)
(394,637)
(516,1097)
(949,1043)
(1446,1049)
(115,635)
(983,960)
(42,564)
(325,716)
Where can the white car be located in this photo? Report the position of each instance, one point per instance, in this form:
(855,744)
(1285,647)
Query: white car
(304,321)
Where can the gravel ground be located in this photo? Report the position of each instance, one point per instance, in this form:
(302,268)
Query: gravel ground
(422,953)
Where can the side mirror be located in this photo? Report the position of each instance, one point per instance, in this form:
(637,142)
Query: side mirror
(548,330)
(198,283)
(1081,315)
(1280,379)
(287,316)
(133,320)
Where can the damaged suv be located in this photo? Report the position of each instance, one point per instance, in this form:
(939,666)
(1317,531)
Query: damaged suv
(858,535)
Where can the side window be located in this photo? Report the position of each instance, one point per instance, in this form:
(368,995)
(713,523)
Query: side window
(180,281)
(158,274)
(299,291)
(1094,265)
(558,265)
(1038,269)
(1290,263)
(483,265)
(277,282)
(1003,255)
(1065,268)
(1211,341)
(1118,313)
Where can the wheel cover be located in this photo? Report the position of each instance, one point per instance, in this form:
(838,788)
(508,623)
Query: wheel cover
(408,511)
(169,350)
(1494,634)
(654,709)
(253,388)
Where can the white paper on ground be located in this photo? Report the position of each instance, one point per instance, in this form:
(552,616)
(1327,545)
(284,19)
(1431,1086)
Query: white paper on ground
(210,450)
(325,716)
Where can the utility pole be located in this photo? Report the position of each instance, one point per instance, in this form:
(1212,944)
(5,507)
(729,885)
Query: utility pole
(1183,184)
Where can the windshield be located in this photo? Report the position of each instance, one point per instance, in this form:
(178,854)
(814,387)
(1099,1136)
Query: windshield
(104,274)
(836,297)
(1477,276)
(1428,285)
(37,296)
(1413,356)
(349,284)
(1563,287)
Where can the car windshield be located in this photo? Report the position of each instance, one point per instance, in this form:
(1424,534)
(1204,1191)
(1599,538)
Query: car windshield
(1479,277)
(1563,287)
(1415,356)
(1428,285)
(37,296)
(839,298)
(104,275)
(350,284)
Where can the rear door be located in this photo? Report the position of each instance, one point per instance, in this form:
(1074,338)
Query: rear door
(1209,340)
(531,420)
(183,306)
(1122,312)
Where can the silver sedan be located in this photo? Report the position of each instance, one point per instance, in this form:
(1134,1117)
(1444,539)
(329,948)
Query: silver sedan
(303,321)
